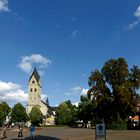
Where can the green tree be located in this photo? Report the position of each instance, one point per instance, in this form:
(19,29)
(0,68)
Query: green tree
(19,113)
(73,112)
(2,118)
(36,116)
(85,109)
(4,111)
(114,90)
(66,113)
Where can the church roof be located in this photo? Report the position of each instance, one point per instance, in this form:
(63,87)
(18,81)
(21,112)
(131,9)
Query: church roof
(50,112)
(36,75)
(50,109)
(44,103)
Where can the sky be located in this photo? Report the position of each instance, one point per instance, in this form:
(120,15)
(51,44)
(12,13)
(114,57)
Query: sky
(65,40)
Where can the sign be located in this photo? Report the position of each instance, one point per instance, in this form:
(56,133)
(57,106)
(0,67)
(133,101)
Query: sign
(100,131)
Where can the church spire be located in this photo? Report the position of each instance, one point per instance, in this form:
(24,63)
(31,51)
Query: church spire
(36,75)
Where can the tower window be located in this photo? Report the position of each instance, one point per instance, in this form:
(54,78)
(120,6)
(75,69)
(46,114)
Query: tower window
(31,89)
(33,81)
(35,90)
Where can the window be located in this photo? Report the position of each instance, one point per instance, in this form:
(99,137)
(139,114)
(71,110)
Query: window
(33,81)
(35,90)
(31,89)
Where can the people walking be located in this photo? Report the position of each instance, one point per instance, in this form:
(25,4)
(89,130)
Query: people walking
(3,133)
(32,131)
(20,134)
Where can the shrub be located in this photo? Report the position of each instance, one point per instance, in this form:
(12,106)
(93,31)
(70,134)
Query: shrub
(117,125)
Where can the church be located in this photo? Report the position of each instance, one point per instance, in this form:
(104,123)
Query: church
(34,99)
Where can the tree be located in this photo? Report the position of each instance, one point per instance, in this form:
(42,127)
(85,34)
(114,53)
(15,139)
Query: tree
(66,113)
(36,116)
(19,113)
(114,90)
(2,118)
(4,111)
(74,111)
(85,109)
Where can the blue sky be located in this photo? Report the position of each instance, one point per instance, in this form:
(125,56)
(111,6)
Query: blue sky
(65,40)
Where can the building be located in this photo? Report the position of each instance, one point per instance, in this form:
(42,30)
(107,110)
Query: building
(34,99)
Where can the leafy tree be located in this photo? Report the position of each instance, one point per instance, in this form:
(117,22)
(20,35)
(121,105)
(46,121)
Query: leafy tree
(74,111)
(114,90)
(66,113)
(36,116)
(2,118)
(19,113)
(4,111)
(85,109)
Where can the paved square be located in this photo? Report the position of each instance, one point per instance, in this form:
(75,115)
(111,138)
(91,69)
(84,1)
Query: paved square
(65,133)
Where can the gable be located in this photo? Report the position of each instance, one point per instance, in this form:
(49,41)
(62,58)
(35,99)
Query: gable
(33,80)
(35,74)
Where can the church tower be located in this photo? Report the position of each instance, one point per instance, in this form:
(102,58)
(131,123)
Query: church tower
(34,99)
(34,88)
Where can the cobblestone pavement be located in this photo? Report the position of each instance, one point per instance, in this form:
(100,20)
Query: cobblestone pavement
(61,133)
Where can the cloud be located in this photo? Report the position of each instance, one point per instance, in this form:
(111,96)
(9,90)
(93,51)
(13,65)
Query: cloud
(27,62)
(44,97)
(136,22)
(84,91)
(137,12)
(19,17)
(12,92)
(4,6)
(132,25)
(41,73)
(74,33)
(76,104)
(77,90)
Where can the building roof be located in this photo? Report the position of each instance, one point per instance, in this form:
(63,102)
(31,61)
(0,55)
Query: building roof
(50,109)
(50,112)
(44,103)
(36,75)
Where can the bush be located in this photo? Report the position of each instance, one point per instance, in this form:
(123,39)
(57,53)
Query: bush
(117,125)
